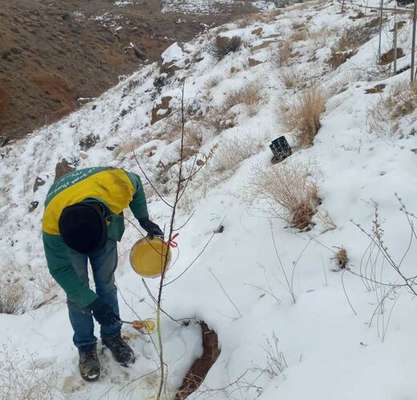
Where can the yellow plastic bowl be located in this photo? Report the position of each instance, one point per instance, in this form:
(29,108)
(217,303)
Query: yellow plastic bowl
(149,256)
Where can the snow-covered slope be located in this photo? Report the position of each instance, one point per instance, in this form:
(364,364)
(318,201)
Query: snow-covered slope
(335,341)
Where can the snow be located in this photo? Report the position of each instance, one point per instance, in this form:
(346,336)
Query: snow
(334,344)
(172,53)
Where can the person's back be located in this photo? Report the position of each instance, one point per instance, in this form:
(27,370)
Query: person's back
(83,220)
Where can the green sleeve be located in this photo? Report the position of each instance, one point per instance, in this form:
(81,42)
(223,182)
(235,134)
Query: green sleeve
(60,267)
(138,203)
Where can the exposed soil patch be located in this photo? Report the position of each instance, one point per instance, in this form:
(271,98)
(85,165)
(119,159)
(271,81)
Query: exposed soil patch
(54,52)
(199,370)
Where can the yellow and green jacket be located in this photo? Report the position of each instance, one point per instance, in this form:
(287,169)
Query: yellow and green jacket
(115,188)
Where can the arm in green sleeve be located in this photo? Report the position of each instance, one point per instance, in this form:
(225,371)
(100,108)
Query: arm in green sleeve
(60,267)
(138,203)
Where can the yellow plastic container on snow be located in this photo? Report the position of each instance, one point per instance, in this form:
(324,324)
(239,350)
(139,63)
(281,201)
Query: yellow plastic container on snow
(149,256)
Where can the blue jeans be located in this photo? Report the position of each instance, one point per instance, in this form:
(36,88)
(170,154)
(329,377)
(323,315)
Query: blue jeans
(103,264)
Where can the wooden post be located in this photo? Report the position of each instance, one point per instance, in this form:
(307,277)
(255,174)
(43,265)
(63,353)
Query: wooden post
(381,6)
(395,41)
(413,46)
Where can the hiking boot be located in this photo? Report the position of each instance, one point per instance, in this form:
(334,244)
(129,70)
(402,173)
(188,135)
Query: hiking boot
(120,350)
(89,364)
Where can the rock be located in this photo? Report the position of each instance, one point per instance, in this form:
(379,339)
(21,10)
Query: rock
(253,63)
(376,89)
(38,182)
(162,110)
(169,68)
(89,141)
(62,168)
(33,205)
(226,45)
(258,31)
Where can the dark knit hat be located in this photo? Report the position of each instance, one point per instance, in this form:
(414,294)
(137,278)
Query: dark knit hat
(83,228)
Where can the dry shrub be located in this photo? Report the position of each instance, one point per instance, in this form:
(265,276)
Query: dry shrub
(354,37)
(193,140)
(212,82)
(22,379)
(282,54)
(391,55)
(401,101)
(11,298)
(303,115)
(299,35)
(292,79)
(248,95)
(320,37)
(219,120)
(225,45)
(338,58)
(231,152)
(289,191)
(348,43)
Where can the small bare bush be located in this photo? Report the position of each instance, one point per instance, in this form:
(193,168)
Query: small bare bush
(231,152)
(21,379)
(11,298)
(225,45)
(401,101)
(290,192)
(303,115)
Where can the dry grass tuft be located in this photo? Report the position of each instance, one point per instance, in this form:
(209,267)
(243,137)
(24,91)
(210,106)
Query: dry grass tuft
(282,54)
(303,115)
(128,147)
(401,101)
(248,95)
(292,79)
(193,140)
(11,298)
(298,35)
(231,152)
(289,191)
